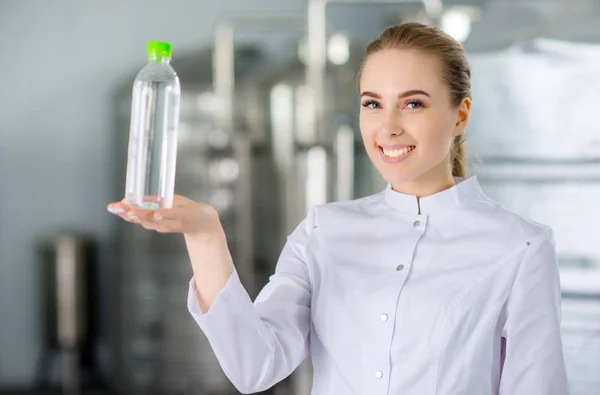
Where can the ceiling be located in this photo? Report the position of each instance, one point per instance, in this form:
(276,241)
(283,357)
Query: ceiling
(506,22)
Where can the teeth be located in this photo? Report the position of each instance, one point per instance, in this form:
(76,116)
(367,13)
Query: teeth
(398,152)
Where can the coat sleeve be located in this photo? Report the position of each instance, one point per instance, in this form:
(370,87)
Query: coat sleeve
(259,344)
(534,362)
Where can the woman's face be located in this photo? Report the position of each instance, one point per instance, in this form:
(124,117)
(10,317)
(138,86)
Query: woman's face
(407,119)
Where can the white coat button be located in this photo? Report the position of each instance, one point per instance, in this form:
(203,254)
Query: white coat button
(384,317)
(417,223)
(379,374)
(400,268)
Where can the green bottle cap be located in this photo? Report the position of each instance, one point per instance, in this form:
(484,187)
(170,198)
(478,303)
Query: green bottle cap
(158,49)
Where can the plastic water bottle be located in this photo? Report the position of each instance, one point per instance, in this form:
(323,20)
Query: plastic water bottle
(152,151)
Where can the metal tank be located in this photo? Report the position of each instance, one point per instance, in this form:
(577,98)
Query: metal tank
(276,110)
(69,268)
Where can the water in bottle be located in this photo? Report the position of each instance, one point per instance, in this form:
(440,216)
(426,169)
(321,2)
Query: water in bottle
(152,151)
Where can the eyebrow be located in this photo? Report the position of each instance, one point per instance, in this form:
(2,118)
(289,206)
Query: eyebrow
(400,96)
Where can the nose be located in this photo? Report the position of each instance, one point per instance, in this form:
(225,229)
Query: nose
(392,123)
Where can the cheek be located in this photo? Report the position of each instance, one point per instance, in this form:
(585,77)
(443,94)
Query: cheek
(430,132)
(368,131)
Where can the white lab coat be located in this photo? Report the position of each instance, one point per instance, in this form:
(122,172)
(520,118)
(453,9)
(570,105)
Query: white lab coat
(462,299)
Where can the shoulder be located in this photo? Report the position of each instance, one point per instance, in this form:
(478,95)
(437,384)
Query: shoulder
(348,210)
(493,217)
(338,215)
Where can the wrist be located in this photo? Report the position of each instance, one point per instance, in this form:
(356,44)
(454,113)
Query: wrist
(212,233)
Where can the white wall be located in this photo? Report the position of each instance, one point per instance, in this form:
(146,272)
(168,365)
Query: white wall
(60,63)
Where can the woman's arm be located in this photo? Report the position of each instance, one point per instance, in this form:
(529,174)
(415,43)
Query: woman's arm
(257,344)
(534,362)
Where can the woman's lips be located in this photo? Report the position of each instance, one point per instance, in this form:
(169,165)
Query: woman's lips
(395,153)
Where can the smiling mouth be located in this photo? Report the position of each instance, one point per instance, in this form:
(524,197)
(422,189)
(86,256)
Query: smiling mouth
(394,153)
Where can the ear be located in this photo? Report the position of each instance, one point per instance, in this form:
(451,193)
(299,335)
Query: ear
(464,110)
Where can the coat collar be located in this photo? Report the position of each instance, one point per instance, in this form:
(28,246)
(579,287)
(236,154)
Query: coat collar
(465,189)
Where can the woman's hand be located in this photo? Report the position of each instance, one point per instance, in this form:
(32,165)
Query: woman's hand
(187,217)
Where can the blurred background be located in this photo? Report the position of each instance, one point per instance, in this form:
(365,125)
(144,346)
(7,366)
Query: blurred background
(268,127)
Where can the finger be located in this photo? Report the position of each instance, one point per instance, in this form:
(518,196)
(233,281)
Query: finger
(130,214)
(180,213)
(158,227)
(142,214)
(132,219)
(147,224)
(119,207)
(168,220)
(172,221)
(168,225)
(163,214)
(115,208)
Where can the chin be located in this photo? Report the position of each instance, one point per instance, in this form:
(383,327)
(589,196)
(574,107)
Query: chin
(397,177)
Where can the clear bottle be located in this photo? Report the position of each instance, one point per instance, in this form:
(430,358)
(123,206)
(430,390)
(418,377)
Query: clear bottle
(152,151)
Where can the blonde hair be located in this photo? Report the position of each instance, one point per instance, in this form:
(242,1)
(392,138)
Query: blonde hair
(456,69)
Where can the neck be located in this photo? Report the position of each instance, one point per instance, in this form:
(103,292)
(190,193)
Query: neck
(159,59)
(433,181)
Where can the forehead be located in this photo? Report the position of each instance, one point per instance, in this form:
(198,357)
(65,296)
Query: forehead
(401,69)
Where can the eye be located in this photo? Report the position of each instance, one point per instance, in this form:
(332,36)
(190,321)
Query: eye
(414,104)
(371,104)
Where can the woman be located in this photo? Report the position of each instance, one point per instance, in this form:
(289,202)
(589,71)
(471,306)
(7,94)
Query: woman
(428,287)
